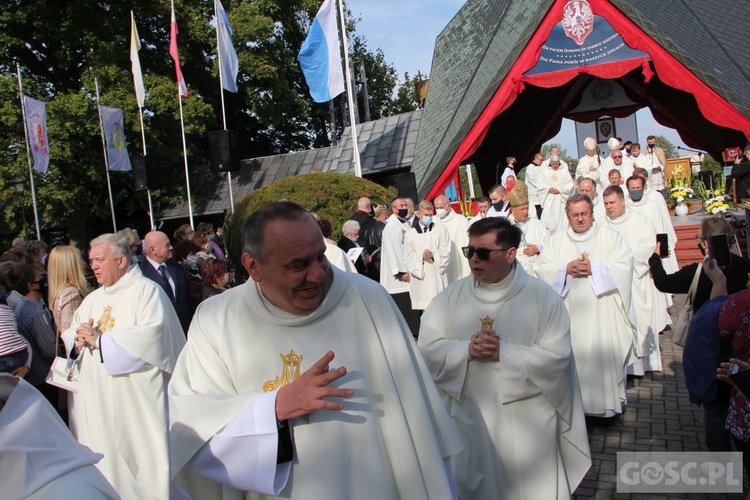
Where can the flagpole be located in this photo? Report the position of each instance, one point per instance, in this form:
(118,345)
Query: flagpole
(148,189)
(223,109)
(106,157)
(350,92)
(184,154)
(28,155)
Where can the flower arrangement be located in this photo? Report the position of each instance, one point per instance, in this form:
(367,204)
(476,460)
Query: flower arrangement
(680,194)
(716,206)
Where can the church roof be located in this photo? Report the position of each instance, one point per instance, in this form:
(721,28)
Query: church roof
(385,145)
(476,51)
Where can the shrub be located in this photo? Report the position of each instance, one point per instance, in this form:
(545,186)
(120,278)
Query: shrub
(332,196)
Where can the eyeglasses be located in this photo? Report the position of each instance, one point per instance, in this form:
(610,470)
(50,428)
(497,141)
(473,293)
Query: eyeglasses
(482,253)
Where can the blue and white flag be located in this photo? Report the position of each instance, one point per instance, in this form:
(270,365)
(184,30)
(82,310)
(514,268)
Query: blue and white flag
(229,65)
(114,133)
(320,56)
(36,125)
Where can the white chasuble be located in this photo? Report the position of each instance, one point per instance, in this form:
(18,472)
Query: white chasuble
(650,305)
(457,226)
(553,205)
(428,278)
(338,258)
(392,256)
(521,419)
(391,440)
(39,457)
(124,416)
(600,308)
(653,207)
(533,232)
(590,167)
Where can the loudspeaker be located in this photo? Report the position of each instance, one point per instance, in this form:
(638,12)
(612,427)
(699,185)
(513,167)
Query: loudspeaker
(407,187)
(225,151)
(146,173)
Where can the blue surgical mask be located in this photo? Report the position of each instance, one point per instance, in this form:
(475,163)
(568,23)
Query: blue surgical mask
(354,240)
(636,194)
(426,220)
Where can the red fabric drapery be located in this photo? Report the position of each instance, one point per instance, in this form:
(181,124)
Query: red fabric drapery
(713,107)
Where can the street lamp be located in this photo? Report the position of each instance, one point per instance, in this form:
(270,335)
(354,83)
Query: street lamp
(20,186)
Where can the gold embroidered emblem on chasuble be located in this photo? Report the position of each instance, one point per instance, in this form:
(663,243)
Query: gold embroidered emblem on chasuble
(107,321)
(289,373)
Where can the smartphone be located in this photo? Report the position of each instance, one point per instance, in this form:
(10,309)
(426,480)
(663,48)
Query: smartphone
(741,381)
(663,238)
(718,249)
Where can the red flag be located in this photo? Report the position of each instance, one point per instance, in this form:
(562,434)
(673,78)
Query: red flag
(176,56)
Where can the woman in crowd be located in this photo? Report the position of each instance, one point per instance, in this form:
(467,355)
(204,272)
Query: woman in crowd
(215,278)
(67,288)
(136,245)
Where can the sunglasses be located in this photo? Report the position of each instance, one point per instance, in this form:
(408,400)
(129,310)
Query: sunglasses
(482,253)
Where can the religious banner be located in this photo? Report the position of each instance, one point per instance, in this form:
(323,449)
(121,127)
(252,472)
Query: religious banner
(36,124)
(582,39)
(114,133)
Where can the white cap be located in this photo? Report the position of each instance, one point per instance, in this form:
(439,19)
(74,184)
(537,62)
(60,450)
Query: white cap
(613,143)
(589,144)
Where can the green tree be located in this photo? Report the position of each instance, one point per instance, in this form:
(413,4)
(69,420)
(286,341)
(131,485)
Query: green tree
(669,149)
(75,41)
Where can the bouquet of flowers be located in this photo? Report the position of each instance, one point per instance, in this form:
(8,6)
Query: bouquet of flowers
(716,206)
(680,194)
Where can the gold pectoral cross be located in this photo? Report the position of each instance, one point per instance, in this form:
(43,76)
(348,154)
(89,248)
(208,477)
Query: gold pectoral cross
(289,373)
(107,321)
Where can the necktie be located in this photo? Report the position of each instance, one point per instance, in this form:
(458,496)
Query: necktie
(168,289)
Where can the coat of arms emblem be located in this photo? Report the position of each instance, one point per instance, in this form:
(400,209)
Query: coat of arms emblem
(578,20)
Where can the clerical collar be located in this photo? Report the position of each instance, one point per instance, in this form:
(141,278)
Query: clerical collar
(500,285)
(582,236)
(620,219)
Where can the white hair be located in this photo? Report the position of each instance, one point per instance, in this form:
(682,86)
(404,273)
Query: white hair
(350,227)
(116,242)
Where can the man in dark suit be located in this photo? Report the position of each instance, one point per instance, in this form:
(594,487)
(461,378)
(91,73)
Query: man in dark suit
(158,267)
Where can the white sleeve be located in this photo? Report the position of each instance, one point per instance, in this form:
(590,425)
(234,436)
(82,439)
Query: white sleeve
(602,280)
(560,283)
(243,454)
(117,359)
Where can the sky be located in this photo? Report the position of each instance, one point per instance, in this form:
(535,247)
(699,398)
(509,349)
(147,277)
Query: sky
(406,30)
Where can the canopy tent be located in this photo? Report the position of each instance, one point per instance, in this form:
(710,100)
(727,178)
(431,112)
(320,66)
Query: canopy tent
(501,83)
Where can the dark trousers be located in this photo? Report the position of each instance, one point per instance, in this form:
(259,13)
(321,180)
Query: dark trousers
(412,317)
(718,438)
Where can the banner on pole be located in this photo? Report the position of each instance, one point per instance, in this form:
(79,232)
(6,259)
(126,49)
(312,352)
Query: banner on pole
(36,124)
(182,86)
(320,56)
(227,56)
(135,46)
(114,133)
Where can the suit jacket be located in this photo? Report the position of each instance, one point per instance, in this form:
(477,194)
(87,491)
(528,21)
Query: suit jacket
(182,300)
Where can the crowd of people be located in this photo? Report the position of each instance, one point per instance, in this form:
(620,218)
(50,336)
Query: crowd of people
(469,350)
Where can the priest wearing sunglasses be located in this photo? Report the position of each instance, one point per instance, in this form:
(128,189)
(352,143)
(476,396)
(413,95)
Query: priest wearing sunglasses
(497,344)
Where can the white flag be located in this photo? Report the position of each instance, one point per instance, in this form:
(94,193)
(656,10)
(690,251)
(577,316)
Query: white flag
(229,65)
(114,133)
(36,124)
(135,46)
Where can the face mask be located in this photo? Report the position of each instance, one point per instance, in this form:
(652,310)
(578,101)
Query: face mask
(636,194)
(427,220)
(441,213)
(651,147)
(354,240)
(498,206)
(402,213)
(192,259)
(212,236)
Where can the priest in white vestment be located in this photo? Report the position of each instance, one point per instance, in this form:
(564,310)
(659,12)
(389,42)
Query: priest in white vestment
(498,346)
(457,226)
(129,336)
(587,186)
(533,170)
(427,255)
(591,267)
(649,305)
(39,457)
(651,205)
(554,186)
(590,165)
(533,232)
(258,410)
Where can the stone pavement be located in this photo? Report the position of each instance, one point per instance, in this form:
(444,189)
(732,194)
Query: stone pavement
(659,417)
